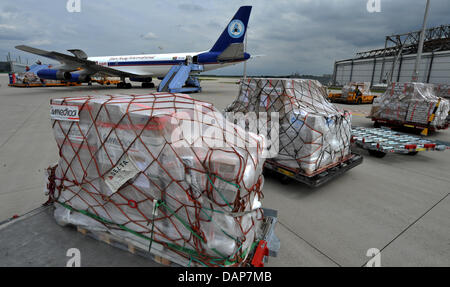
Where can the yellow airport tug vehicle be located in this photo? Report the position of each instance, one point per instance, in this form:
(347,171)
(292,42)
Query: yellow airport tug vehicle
(353,93)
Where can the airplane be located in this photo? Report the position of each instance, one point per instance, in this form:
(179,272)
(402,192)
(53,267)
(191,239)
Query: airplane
(228,50)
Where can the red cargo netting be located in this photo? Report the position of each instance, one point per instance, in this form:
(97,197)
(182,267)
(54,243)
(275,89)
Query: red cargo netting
(164,170)
(309,132)
(411,103)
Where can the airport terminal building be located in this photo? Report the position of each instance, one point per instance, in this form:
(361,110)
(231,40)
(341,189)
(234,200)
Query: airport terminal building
(395,62)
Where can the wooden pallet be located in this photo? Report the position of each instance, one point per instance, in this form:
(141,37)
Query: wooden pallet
(159,253)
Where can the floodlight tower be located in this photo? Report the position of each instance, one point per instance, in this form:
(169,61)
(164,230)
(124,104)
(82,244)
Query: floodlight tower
(245,50)
(415,76)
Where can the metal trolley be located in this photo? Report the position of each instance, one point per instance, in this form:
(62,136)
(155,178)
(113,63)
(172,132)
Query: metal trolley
(286,174)
(381,141)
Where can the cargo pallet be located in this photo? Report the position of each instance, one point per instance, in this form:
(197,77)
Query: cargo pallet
(423,128)
(131,246)
(268,243)
(317,178)
(381,141)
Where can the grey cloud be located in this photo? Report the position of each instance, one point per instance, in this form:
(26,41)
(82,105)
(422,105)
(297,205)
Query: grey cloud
(149,36)
(215,24)
(299,35)
(190,7)
(7,36)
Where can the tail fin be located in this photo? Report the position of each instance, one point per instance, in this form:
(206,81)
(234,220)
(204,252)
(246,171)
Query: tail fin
(235,30)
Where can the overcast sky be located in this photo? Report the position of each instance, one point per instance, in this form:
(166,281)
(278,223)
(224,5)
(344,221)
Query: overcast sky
(304,36)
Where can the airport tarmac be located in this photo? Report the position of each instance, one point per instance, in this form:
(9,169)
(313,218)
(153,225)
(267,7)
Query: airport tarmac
(398,204)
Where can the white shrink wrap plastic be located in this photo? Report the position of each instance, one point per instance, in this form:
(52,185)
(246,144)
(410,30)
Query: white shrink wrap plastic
(137,161)
(411,103)
(312,133)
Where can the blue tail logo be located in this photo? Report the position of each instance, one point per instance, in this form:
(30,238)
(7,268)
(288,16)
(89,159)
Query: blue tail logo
(236,28)
(235,31)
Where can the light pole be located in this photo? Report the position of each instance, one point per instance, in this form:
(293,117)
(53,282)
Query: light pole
(415,76)
(245,50)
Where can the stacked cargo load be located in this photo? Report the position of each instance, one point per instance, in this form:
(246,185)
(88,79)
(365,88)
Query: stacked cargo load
(30,75)
(442,91)
(27,78)
(160,170)
(414,103)
(313,133)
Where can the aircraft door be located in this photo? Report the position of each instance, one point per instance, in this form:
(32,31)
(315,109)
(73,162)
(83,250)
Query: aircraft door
(188,60)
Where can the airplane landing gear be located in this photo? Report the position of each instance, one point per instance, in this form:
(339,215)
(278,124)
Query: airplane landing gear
(150,85)
(123,85)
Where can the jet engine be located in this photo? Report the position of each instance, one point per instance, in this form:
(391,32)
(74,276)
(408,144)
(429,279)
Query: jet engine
(52,74)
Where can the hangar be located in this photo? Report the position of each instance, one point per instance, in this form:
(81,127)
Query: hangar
(395,62)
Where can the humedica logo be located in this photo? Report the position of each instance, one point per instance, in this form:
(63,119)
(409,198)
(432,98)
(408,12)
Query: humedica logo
(64,113)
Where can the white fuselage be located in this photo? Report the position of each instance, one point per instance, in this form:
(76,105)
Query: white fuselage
(153,65)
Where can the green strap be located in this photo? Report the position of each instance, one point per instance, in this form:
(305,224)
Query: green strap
(170,245)
(193,258)
(193,254)
(218,191)
(254,244)
(153,223)
(182,221)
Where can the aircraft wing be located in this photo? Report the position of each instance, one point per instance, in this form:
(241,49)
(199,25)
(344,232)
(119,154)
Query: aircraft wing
(79,60)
